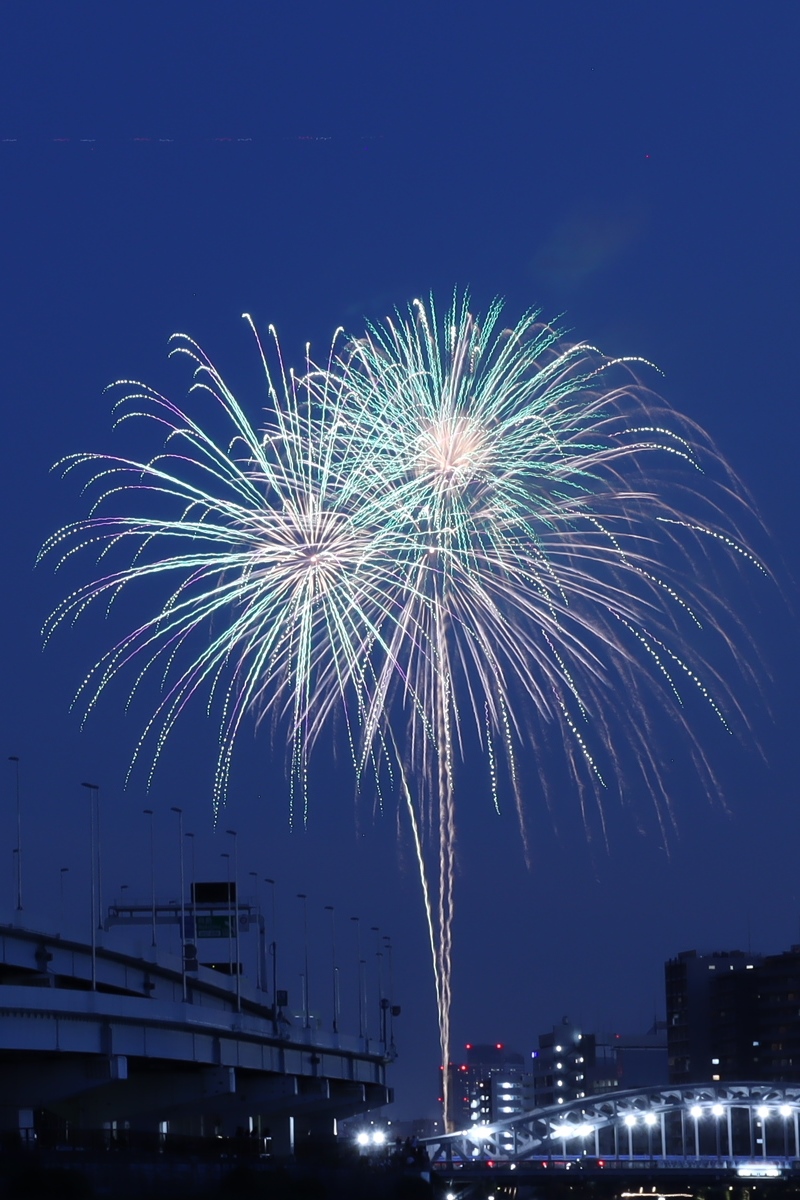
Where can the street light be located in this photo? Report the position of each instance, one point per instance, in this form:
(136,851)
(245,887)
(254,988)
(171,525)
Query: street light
(15,760)
(716,1111)
(148,812)
(763,1112)
(227,858)
(232,833)
(260,928)
(179,811)
(630,1121)
(374,929)
(357,923)
(274,951)
(302,896)
(193,886)
(94,814)
(92,790)
(330,908)
(785,1111)
(389,1004)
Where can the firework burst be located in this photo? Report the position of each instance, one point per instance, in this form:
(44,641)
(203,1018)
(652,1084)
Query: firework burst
(453,533)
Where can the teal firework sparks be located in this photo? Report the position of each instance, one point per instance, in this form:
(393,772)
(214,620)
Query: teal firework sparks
(453,534)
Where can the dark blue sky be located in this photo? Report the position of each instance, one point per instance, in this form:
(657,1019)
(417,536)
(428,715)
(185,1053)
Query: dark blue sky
(633,166)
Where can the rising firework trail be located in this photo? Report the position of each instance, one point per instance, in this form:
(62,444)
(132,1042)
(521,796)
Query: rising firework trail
(454,534)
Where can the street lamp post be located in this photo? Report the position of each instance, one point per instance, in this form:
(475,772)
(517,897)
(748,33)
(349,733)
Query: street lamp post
(260,932)
(378,957)
(306,1009)
(148,812)
(274,952)
(179,812)
(357,922)
(232,833)
(786,1112)
(94,813)
(630,1121)
(193,902)
(15,760)
(92,790)
(227,858)
(330,908)
(390,1005)
(696,1112)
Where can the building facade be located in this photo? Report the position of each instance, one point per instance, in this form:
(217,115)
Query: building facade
(490,1084)
(733,1016)
(571,1065)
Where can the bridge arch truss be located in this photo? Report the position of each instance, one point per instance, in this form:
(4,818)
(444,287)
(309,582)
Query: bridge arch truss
(695,1123)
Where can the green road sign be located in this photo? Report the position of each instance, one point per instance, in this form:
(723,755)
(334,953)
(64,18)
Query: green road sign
(214,927)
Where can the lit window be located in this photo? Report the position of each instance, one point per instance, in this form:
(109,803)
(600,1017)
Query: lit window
(715,1062)
(559,1066)
(559,1083)
(715,1078)
(756,1043)
(712,966)
(749,967)
(559,1049)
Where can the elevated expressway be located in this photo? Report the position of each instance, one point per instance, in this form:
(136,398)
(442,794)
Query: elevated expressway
(96,1037)
(749,1129)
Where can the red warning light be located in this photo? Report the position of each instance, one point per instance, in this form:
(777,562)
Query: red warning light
(499,1046)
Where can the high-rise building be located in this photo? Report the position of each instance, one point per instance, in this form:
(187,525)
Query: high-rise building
(733,1016)
(490,1085)
(570,1065)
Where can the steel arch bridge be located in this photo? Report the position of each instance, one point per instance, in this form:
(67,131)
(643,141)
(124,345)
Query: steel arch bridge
(692,1125)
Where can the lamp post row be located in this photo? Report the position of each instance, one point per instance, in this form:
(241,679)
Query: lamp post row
(265,953)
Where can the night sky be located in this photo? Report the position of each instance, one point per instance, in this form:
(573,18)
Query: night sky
(630,167)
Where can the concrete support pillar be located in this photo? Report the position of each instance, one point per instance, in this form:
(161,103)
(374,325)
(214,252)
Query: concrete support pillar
(279,1134)
(314,1132)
